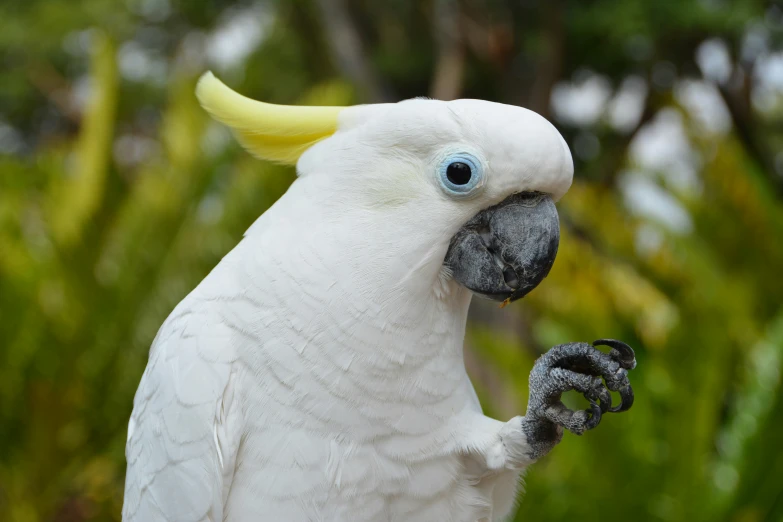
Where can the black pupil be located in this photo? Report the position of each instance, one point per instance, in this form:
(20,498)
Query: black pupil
(458,173)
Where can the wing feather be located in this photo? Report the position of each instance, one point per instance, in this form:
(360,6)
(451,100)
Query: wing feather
(185,428)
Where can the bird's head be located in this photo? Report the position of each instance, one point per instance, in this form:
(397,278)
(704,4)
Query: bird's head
(472,180)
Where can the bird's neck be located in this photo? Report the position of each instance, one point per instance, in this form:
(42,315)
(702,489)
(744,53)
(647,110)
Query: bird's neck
(359,304)
(366,267)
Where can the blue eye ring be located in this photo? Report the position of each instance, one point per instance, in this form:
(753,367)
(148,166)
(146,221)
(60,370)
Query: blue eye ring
(454,178)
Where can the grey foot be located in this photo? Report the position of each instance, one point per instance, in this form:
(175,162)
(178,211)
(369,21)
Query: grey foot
(580,367)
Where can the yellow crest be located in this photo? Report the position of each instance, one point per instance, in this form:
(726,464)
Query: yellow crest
(278,133)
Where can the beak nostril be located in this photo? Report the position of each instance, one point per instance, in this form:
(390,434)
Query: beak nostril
(529,199)
(510,277)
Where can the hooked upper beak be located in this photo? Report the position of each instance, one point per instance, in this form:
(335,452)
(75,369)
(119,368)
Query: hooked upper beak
(506,250)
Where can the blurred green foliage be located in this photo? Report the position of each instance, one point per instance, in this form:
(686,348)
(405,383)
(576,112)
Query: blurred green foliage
(117,196)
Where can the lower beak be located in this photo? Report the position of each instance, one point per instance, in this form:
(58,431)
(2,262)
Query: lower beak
(505,251)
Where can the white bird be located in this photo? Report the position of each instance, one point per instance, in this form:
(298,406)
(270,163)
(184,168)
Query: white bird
(317,373)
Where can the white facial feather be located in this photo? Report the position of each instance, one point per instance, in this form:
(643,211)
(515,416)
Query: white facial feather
(378,172)
(525,152)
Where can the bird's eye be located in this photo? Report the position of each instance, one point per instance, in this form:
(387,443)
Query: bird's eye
(458,173)
(461,174)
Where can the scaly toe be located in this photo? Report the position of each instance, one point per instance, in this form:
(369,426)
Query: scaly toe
(626,399)
(604,396)
(621,352)
(595,416)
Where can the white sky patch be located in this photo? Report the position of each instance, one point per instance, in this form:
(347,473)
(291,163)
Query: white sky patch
(768,79)
(191,55)
(754,43)
(10,139)
(581,103)
(714,60)
(662,147)
(648,239)
(625,109)
(155,10)
(238,34)
(647,199)
(661,151)
(210,209)
(130,150)
(216,139)
(138,64)
(769,71)
(704,104)
(79,94)
(716,65)
(78,43)
(134,61)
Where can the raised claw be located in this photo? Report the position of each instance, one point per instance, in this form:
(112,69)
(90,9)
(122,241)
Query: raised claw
(621,352)
(585,369)
(626,399)
(595,416)
(604,396)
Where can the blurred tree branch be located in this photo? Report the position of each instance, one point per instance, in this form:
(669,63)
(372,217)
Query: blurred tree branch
(613,161)
(549,64)
(348,51)
(450,66)
(54,87)
(736,94)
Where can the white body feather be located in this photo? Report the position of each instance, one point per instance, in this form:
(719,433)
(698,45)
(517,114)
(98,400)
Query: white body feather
(317,373)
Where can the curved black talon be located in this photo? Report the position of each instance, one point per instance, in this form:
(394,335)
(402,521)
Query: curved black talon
(626,400)
(621,352)
(604,396)
(582,368)
(595,416)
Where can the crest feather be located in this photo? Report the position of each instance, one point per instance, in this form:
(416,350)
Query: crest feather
(278,133)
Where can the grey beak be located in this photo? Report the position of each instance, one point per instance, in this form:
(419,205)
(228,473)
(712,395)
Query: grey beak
(507,250)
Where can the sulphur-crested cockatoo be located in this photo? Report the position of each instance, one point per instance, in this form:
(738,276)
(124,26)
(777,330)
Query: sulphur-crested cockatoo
(317,372)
